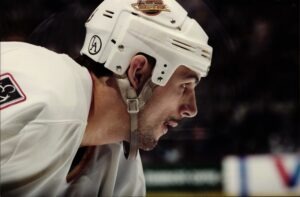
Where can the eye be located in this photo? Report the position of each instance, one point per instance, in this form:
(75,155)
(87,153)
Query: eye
(184,86)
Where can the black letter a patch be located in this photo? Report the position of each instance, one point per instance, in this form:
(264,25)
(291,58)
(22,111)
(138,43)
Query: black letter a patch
(10,91)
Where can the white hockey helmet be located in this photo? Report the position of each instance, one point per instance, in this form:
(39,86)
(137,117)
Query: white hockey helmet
(119,29)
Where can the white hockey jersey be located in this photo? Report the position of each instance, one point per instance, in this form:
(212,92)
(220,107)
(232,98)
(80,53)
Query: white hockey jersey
(44,104)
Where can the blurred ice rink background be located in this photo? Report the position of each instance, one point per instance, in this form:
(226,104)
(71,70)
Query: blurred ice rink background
(245,139)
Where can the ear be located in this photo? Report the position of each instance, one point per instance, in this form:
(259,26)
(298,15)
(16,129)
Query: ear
(139,72)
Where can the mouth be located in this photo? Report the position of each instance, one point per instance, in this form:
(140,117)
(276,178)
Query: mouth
(169,124)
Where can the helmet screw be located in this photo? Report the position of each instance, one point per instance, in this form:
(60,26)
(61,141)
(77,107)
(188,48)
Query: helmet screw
(118,68)
(121,47)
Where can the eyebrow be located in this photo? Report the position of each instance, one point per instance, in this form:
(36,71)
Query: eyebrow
(192,76)
(188,74)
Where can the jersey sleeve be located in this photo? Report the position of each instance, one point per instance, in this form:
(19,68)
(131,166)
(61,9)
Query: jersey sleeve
(41,132)
(37,85)
(39,152)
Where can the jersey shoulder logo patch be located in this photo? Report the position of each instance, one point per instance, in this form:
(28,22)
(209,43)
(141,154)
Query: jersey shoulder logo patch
(10,91)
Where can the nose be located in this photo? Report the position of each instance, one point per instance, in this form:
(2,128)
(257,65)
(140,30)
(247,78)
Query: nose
(189,108)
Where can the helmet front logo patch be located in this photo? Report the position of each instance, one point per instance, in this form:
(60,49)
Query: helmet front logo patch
(150,7)
(95,45)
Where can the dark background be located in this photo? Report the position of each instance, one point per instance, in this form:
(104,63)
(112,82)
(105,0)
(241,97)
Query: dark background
(248,104)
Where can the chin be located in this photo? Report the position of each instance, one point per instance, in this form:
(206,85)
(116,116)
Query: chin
(147,147)
(148,138)
(147,143)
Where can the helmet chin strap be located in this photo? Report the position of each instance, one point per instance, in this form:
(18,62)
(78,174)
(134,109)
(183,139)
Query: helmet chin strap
(133,110)
(134,104)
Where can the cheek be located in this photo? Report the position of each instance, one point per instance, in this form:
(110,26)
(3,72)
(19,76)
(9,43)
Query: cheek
(168,96)
(154,113)
(163,103)
(157,114)
(162,106)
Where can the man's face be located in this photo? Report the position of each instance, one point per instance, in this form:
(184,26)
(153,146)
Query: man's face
(167,106)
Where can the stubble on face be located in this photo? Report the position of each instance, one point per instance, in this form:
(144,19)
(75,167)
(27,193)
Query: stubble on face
(151,127)
(148,136)
(147,141)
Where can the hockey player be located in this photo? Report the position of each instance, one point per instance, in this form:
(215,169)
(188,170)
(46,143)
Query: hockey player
(74,129)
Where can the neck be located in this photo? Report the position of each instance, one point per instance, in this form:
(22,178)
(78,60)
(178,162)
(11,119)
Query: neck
(108,120)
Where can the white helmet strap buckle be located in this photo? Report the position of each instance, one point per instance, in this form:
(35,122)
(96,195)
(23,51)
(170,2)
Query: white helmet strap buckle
(132,105)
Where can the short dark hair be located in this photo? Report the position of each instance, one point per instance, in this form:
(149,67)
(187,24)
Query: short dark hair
(98,68)
(151,60)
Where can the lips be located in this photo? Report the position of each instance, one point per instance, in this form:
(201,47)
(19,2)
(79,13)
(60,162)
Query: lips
(172,123)
(168,124)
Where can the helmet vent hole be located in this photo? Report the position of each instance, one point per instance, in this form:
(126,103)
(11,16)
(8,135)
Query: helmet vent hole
(135,14)
(206,54)
(165,65)
(207,57)
(182,43)
(118,68)
(121,47)
(177,45)
(108,14)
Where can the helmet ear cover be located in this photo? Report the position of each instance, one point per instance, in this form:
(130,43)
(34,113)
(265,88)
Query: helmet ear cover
(126,33)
